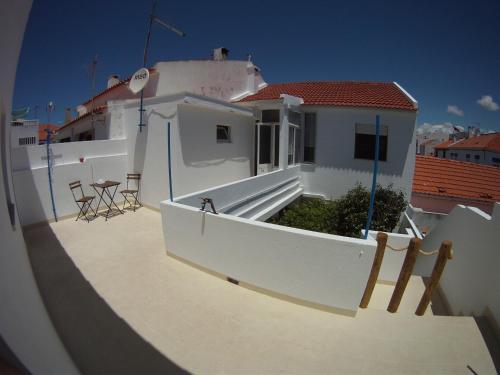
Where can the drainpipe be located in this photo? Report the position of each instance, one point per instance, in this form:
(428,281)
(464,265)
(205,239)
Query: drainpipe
(374,179)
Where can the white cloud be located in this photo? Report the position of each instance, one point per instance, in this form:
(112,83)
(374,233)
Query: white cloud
(487,102)
(437,129)
(455,110)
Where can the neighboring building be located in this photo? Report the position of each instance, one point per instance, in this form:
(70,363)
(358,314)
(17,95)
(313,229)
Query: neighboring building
(213,107)
(24,133)
(439,185)
(330,129)
(42,134)
(481,149)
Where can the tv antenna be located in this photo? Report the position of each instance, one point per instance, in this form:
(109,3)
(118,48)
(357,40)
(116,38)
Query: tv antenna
(93,68)
(51,107)
(153,18)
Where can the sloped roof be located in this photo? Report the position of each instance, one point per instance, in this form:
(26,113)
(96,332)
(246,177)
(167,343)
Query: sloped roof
(97,110)
(490,142)
(42,134)
(119,84)
(340,93)
(444,144)
(456,179)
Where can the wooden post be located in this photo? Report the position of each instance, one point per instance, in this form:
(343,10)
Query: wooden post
(404,275)
(442,258)
(377,262)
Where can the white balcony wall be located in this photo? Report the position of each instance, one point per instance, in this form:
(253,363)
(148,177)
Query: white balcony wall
(471,279)
(336,170)
(105,160)
(311,267)
(233,193)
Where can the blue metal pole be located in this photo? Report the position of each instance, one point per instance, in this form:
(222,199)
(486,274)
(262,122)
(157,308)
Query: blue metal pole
(170,164)
(375,172)
(49,133)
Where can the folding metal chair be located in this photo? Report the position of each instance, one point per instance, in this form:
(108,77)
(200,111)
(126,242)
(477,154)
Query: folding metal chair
(84,203)
(132,194)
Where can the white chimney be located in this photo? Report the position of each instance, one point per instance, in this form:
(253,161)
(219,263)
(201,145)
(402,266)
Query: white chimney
(68,115)
(220,54)
(113,80)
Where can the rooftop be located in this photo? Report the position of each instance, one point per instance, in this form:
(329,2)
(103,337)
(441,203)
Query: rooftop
(489,142)
(42,134)
(444,144)
(451,178)
(122,305)
(340,93)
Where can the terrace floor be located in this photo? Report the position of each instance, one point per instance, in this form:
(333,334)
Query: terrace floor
(121,305)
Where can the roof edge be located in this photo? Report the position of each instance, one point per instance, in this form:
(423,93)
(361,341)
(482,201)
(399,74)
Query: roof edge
(412,99)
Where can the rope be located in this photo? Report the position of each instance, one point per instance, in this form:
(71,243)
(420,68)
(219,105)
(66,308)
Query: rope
(423,252)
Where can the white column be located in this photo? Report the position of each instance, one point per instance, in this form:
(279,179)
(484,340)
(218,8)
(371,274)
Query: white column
(284,137)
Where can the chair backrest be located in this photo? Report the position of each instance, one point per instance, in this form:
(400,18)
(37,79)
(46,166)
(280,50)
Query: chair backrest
(136,177)
(75,185)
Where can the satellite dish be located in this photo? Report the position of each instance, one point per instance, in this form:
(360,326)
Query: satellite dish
(139,80)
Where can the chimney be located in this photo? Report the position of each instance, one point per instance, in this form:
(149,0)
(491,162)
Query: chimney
(68,115)
(113,80)
(220,54)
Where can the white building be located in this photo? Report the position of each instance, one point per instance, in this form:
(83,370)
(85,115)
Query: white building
(24,133)
(213,105)
(480,149)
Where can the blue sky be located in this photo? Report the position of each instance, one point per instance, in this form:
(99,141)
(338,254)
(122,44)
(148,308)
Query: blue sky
(444,53)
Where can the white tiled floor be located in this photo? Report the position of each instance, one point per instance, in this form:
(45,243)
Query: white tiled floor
(207,325)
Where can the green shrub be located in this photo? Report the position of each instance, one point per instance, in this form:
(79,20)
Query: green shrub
(307,213)
(345,216)
(352,210)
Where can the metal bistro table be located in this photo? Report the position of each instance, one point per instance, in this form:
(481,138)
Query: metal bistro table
(105,189)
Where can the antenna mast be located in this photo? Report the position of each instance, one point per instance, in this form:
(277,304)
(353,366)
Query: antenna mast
(93,68)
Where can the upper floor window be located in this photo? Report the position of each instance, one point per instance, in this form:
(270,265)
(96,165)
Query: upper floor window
(295,118)
(476,157)
(364,147)
(223,133)
(271,116)
(309,137)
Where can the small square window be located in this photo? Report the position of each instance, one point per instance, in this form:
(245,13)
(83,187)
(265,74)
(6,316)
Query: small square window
(477,157)
(223,133)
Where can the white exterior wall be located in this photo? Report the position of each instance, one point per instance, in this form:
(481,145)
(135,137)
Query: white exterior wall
(24,323)
(24,131)
(336,170)
(198,161)
(485,157)
(314,267)
(471,279)
(105,160)
(223,80)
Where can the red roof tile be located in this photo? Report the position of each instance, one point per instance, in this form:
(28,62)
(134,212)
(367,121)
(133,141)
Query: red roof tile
(121,83)
(97,110)
(444,144)
(42,134)
(340,93)
(456,179)
(490,142)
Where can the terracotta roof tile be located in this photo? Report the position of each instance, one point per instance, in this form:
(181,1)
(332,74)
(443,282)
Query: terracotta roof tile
(490,142)
(97,110)
(339,93)
(456,179)
(119,84)
(42,134)
(444,144)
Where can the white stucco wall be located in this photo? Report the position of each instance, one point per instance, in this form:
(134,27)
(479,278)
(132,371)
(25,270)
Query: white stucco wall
(24,131)
(309,266)
(336,170)
(24,323)
(471,279)
(198,161)
(485,157)
(105,160)
(221,80)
